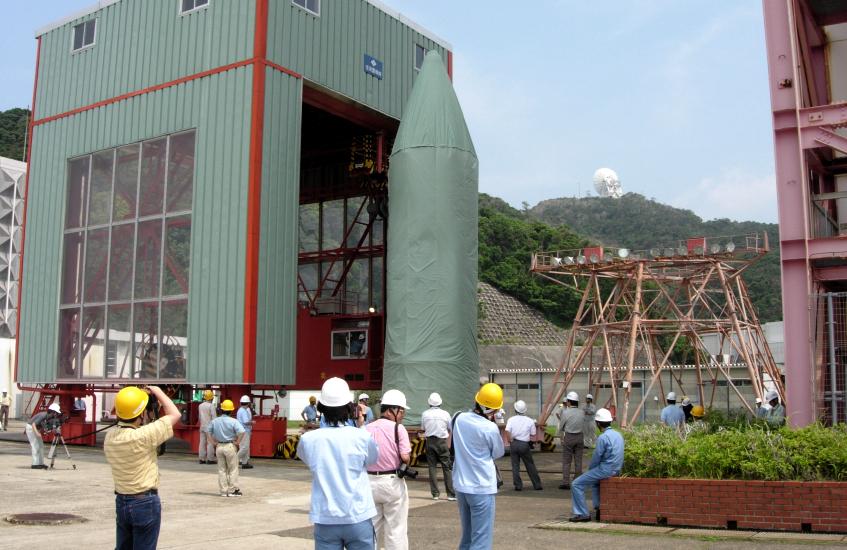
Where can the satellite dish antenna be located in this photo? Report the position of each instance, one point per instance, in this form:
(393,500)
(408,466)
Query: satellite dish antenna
(607,183)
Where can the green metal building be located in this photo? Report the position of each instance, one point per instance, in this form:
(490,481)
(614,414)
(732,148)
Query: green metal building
(206,193)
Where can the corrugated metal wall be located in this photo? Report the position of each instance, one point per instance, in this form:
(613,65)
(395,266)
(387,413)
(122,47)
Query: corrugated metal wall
(140,43)
(276,317)
(219,108)
(329,50)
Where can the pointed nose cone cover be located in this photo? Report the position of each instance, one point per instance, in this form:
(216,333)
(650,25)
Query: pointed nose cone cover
(433,116)
(432,252)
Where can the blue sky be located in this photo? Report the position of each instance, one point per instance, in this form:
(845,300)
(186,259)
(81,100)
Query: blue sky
(672,95)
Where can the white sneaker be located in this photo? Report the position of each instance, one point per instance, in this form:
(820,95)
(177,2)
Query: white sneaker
(434,497)
(451,499)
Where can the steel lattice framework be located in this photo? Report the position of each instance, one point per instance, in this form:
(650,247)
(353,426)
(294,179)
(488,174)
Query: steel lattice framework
(12,175)
(644,302)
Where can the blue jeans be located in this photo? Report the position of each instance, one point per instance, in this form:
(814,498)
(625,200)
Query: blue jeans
(477,514)
(352,536)
(591,478)
(138,521)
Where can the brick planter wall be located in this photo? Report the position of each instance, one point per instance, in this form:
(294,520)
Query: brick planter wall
(819,507)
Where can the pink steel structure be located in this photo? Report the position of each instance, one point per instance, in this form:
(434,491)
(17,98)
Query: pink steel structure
(806,115)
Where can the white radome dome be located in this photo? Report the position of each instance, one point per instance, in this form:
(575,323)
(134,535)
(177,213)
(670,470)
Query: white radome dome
(607,183)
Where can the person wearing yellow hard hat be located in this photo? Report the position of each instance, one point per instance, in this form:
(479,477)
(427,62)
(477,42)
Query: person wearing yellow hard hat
(130,449)
(606,461)
(226,434)
(476,445)
(310,414)
(206,412)
(697,424)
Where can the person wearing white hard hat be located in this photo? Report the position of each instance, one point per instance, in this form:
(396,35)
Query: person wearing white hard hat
(34,433)
(589,430)
(5,405)
(686,407)
(245,416)
(571,431)
(672,416)
(760,410)
(520,431)
(366,415)
(342,507)
(387,474)
(606,461)
(776,413)
(435,423)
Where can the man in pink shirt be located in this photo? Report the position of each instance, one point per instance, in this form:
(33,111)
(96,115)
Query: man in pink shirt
(386,475)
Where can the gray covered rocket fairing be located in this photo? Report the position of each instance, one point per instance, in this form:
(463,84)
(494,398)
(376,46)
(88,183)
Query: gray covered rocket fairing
(432,250)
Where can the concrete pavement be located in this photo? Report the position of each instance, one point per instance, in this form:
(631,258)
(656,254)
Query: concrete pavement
(274,511)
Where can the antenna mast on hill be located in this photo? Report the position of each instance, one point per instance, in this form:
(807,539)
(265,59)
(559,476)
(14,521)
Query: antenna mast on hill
(642,303)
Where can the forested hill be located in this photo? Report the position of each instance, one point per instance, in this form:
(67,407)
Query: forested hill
(507,239)
(635,222)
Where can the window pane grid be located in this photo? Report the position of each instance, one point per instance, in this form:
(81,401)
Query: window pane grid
(105,328)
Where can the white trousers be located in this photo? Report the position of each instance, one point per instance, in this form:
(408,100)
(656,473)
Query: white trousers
(36,444)
(392,511)
(244,450)
(206,448)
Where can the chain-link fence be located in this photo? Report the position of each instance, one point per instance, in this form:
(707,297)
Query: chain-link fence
(831,356)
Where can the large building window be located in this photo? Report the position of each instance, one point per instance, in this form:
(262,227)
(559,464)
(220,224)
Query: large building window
(123,309)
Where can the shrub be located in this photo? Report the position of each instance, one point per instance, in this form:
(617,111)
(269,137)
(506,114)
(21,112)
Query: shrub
(730,449)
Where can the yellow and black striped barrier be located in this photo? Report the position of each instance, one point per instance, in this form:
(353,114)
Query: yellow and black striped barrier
(549,443)
(418,450)
(288,448)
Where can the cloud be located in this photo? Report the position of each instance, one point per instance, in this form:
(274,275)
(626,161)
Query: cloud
(733,194)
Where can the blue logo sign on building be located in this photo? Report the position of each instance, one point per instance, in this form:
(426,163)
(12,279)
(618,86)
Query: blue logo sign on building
(373,66)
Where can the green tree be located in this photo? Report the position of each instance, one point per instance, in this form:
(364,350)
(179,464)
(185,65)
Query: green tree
(13,125)
(506,245)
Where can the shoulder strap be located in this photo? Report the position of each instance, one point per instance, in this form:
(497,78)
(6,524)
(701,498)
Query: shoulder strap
(453,433)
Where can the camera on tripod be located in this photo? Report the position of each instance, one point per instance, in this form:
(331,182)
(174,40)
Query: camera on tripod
(405,471)
(54,424)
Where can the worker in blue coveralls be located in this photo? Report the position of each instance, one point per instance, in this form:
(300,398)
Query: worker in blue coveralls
(672,416)
(606,461)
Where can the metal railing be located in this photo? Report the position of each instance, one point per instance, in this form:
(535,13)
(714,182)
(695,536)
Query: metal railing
(831,356)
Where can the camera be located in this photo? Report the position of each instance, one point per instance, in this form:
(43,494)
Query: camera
(54,424)
(405,471)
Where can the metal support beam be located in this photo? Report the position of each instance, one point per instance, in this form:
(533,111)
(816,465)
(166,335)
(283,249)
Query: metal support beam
(793,200)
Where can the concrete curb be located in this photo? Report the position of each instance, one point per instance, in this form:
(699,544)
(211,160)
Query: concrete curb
(681,532)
